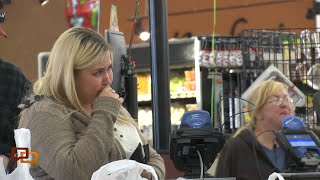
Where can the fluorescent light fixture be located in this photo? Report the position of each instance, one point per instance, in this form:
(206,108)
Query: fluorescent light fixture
(43,2)
(144,36)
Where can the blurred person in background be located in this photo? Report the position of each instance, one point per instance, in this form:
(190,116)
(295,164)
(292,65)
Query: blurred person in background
(13,87)
(253,152)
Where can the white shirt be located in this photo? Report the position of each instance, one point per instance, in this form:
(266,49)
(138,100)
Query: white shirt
(128,136)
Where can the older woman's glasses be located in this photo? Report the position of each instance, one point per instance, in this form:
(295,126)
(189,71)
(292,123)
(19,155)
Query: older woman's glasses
(279,100)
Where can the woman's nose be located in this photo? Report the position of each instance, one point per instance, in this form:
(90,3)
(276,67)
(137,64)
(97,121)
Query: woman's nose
(286,105)
(107,79)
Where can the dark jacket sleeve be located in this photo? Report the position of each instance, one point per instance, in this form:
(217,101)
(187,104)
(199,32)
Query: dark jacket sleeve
(14,86)
(224,166)
(243,160)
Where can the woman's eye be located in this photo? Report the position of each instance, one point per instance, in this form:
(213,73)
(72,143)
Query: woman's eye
(99,73)
(110,68)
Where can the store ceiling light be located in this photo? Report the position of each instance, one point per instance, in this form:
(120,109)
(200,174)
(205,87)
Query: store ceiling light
(144,36)
(43,2)
(139,31)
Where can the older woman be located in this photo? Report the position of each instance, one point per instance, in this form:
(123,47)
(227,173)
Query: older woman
(253,152)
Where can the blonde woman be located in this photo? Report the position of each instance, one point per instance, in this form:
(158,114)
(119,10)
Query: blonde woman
(253,152)
(72,123)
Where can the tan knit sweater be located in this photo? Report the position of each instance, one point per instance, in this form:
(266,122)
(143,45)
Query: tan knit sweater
(72,146)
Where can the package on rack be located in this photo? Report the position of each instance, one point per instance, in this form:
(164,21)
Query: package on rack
(273,73)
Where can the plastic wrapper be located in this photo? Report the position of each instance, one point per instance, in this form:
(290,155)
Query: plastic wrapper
(313,75)
(23,138)
(275,176)
(123,170)
(273,73)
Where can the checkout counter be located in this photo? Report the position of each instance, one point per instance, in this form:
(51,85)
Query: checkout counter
(193,148)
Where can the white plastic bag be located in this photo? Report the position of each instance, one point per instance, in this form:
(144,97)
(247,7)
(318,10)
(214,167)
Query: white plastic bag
(123,170)
(22,137)
(2,169)
(274,176)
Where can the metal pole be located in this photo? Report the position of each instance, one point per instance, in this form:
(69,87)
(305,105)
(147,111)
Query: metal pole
(316,9)
(159,52)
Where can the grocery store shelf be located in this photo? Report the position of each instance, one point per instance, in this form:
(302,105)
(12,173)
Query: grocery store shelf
(181,95)
(176,95)
(144,97)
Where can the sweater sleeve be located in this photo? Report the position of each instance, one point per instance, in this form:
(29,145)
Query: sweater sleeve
(62,154)
(157,163)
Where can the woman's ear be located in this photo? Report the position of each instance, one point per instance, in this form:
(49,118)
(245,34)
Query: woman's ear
(258,116)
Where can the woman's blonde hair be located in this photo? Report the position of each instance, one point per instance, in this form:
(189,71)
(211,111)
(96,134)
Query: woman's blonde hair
(76,49)
(125,117)
(257,97)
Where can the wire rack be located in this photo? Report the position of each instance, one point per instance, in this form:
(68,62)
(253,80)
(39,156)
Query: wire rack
(225,66)
(294,52)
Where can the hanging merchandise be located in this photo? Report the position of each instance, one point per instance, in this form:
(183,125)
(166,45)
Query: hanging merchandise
(314,73)
(238,55)
(82,13)
(311,54)
(315,44)
(219,57)
(225,55)
(232,56)
(206,55)
(305,36)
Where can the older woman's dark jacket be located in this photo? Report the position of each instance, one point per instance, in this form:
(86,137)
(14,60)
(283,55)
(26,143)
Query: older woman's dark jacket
(243,157)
